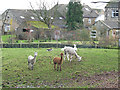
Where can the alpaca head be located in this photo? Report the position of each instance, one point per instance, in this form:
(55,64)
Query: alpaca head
(35,53)
(74,45)
(61,54)
(79,58)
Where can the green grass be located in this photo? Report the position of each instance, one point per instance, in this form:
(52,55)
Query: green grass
(5,38)
(16,74)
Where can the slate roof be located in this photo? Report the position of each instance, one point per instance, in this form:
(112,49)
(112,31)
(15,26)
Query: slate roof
(62,8)
(112,5)
(112,24)
(87,11)
(59,10)
(21,15)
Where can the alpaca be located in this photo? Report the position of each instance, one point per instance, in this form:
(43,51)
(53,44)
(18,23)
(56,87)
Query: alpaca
(49,49)
(31,61)
(75,48)
(70,51)
(58,61)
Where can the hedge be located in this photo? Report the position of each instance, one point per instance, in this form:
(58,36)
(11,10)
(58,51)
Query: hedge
(43,46)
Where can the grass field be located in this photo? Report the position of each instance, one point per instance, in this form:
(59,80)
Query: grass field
(16,74)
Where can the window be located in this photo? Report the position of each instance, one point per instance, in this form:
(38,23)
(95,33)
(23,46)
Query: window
(60,18)
(7,27)
(22,17)
(52,18)
(83,20)
(41,18)
(93,33)
(117,32)
(89,21)
(87,9)
(115,13)
(32,17)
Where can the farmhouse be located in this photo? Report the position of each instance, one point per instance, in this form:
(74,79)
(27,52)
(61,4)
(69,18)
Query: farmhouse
(0,27)
(13,18)
(22,23)
(110,27)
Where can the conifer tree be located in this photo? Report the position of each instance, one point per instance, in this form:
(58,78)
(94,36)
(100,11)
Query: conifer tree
(74,16)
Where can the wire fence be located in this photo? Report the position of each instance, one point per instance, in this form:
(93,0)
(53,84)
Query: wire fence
(51,46)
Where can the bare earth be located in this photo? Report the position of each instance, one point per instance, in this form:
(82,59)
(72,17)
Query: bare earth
(104,80)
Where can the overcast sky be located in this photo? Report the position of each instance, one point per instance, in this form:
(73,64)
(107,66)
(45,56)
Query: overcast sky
(24,4)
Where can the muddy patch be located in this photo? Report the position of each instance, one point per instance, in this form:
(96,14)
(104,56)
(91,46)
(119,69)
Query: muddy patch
(104,80)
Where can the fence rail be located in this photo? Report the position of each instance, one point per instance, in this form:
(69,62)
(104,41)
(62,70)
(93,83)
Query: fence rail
(45,46)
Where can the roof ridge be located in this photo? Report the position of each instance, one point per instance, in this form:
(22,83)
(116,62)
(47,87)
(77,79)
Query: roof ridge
(105,23)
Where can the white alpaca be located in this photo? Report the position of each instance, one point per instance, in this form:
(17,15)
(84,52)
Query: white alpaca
(70,51)
(75,48)
(31,61)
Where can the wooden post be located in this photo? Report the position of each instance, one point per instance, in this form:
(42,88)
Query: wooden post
(21,44)
(119,42)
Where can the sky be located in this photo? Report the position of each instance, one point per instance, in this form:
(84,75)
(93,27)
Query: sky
(24,4)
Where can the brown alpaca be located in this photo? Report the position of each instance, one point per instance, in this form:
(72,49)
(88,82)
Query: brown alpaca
(58,61)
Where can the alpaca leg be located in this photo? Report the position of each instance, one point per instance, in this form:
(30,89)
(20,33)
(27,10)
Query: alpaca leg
(71,58)
(57,67)
(32,67)
(60,67)
(64,55)
(29,66)
(54,66)
(68,56)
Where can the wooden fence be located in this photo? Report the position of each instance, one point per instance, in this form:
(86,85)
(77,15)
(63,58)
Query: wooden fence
(45,46)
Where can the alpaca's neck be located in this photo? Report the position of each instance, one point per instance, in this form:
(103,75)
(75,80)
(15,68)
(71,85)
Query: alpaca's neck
(34,57)
(61,59)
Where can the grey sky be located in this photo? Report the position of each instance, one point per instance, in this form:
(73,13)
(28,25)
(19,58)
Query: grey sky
(24,4)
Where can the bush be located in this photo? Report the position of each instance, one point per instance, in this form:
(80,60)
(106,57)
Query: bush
(108,42)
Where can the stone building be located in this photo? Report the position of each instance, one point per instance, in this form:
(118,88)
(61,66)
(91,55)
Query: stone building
(0,27)
(110,27)
(111,11)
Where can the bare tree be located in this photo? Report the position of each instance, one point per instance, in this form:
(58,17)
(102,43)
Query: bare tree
(43,13)
(3,20)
